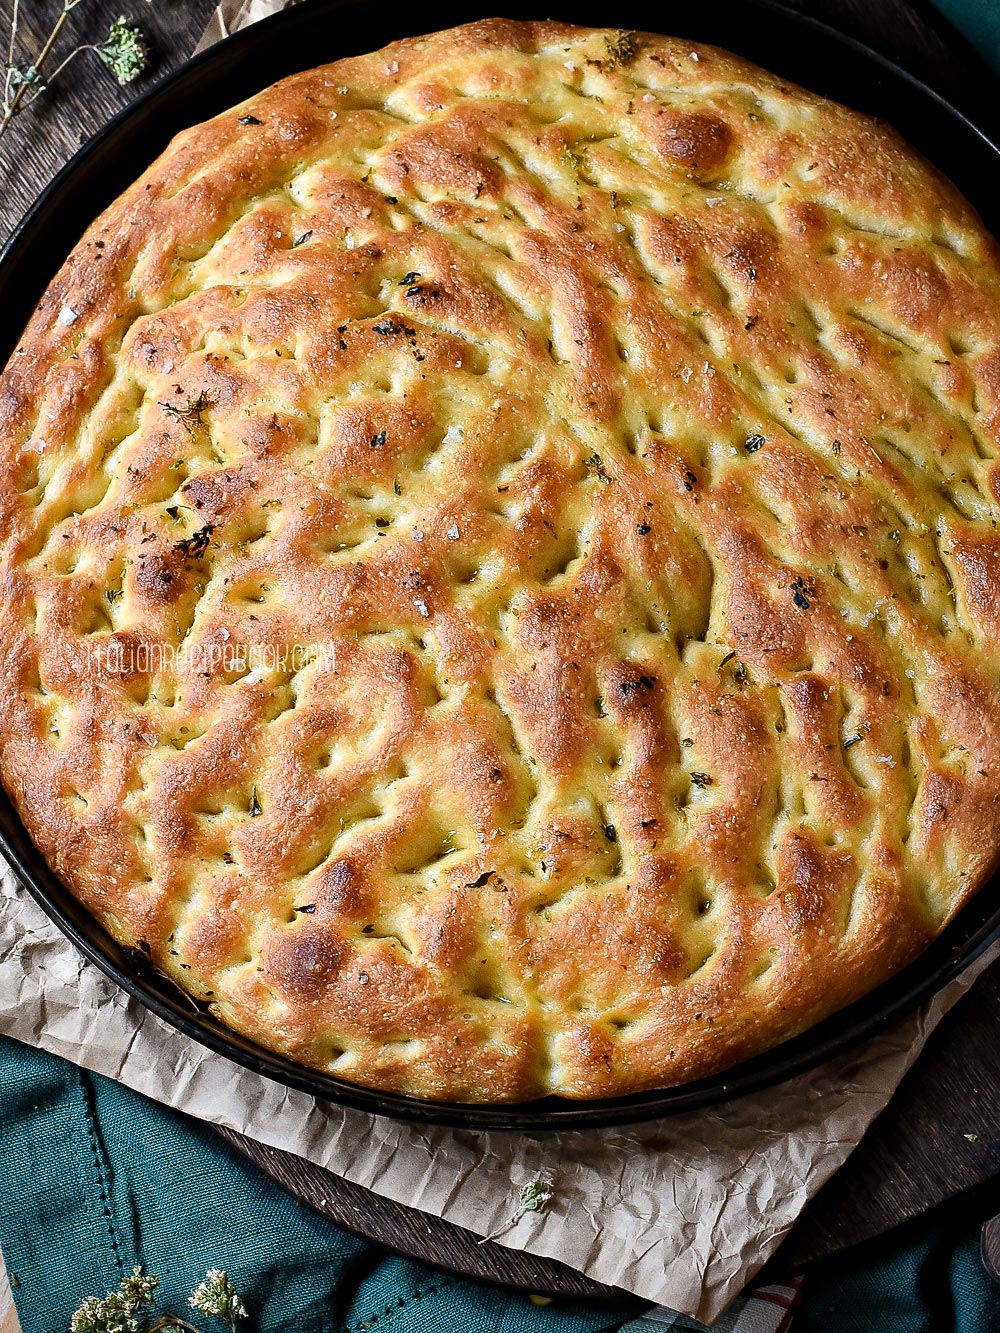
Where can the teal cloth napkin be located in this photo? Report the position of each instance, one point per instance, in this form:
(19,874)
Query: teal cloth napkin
(95,1179)
(979,21)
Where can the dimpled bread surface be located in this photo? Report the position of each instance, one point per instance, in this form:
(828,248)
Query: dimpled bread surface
(500,563)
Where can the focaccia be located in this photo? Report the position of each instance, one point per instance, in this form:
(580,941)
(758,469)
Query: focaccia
(500,563)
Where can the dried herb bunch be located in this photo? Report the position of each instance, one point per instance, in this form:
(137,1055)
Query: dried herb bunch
(131,1308)
(534,1197)
(27,78)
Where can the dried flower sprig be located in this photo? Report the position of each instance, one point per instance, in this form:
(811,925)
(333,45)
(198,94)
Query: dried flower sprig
(217,1297)
(121,1311)
(132,1307)
(534,1197)
(123,51)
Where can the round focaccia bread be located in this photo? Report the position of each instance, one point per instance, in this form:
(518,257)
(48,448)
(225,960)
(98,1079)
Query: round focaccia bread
(500,562)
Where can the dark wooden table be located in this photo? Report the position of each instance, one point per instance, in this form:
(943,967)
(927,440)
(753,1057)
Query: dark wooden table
(38,142)
(941,1133)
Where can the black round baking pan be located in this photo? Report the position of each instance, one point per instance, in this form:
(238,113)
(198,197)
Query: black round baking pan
(787,43)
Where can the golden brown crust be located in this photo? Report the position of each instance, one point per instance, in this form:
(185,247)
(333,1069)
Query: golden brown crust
(610,430)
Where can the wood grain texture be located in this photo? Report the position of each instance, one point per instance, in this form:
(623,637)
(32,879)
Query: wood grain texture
(45,136)
(991,1247)
(940,1134)
(420,1235)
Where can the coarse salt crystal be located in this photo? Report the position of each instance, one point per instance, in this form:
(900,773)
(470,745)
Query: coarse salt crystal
(67,315)
(453,533)
(421,607)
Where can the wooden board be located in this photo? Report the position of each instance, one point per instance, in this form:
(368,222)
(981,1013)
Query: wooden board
(941,1134)
(991,1247)
(420,1235)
